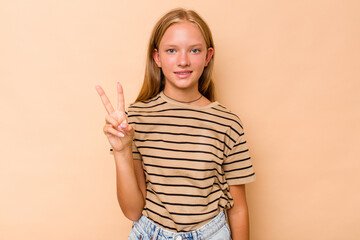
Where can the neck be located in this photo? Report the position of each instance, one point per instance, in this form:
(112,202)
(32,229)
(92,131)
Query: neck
(183,96)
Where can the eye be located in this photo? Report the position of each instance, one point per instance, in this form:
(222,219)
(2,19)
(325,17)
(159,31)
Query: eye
(195,50)
(170,50)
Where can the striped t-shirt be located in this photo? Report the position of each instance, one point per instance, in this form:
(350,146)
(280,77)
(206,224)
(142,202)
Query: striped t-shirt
(190,156)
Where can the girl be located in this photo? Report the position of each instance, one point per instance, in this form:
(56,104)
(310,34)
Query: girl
(181,157)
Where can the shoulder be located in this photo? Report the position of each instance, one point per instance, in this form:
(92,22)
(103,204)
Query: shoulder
(228,116)
(148,105)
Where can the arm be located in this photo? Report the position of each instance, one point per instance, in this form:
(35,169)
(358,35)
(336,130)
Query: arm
(238,214)
(120,135)
(130,184)
(140,176)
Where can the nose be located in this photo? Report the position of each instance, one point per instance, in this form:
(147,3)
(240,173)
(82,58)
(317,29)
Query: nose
(183,59)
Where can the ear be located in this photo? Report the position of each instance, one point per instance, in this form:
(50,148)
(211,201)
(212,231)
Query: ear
(156,57)
(209,54)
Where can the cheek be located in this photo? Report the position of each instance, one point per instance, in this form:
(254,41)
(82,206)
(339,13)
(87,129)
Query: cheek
(167,61)
(199,61)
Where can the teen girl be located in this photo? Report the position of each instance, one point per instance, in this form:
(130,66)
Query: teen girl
(181,157)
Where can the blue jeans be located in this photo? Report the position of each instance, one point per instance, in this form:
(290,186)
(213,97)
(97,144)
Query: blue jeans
(216,229)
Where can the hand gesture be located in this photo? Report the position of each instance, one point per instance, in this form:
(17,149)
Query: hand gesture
(119,133)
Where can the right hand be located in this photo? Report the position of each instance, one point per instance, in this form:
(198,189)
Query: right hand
(119,133)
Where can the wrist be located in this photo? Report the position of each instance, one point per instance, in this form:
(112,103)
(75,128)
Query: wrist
(120,150)
(125,152)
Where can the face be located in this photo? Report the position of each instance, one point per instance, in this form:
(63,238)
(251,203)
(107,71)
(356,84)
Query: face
(182,56)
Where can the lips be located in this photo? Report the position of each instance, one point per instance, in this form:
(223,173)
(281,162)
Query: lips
(180,72)
(183,74)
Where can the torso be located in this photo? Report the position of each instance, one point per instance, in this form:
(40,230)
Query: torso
(183,148)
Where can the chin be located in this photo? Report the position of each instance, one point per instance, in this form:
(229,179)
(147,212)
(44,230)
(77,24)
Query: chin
(183,83)
(185,86)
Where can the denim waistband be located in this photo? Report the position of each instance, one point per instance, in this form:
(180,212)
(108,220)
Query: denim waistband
(203,232)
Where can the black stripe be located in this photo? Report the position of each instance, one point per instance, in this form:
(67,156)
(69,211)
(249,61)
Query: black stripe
(238,144)
(151,100)
(182,126)
(147,209)
(148,199)
(240,160)
(193,214)
(184,195)
(238,169)
(182,168)
(184,134)
(179,159)
(192,205)
(175,142)
(180,150)
(175,176)
(232,154)
(182,185)
(225,111)
(241,176)
(222,106)
(131,106)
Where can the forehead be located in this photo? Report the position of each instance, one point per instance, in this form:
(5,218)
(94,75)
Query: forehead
(182,33)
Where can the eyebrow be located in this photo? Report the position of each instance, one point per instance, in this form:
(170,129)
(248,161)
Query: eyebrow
(174,45)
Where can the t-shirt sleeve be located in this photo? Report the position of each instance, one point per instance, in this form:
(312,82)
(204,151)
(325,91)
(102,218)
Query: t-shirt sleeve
(135,151)
(237,163)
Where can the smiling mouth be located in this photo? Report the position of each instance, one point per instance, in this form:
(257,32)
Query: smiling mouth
(183,72)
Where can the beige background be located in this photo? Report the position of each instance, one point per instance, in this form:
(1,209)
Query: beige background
(289,69)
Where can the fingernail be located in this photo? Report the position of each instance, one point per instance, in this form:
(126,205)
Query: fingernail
(121,134)
(123,125)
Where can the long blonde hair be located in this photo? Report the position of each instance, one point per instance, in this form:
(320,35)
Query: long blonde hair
(154,80)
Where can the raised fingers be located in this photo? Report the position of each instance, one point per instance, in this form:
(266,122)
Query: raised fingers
(108,129)
(110,120)
(105,100)
(121,101)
